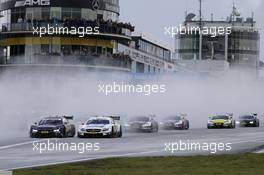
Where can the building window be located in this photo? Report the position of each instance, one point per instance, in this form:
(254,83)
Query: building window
(55,12)
(76,13)
(45,13)
(88,14)
(66,12)
(18,15)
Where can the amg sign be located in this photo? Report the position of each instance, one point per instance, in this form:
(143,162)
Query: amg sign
(89,4)
(37,3)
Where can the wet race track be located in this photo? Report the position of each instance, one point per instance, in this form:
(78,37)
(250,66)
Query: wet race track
(21,151)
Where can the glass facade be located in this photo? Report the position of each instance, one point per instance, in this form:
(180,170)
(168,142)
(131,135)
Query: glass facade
(188,46)
(41,13)
(153,49)
(242,47)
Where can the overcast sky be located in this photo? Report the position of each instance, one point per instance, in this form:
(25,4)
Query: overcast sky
(151,16)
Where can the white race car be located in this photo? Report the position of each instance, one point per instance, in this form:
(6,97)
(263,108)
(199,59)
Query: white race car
(106,126)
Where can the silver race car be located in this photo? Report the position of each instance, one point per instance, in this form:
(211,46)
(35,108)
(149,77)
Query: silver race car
(105,126)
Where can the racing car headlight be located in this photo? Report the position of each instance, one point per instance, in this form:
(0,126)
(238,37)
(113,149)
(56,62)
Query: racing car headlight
(56,130)
(82,129)
(106,129)
(210,122)
(148,124)
(179,122)
(34,130)
(228,122)
(251,122)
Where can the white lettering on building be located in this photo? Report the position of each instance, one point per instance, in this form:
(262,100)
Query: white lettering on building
(37,2)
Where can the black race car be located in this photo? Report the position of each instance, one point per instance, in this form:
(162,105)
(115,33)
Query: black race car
(177,122)
(142,124)
(53,127)
(250,120)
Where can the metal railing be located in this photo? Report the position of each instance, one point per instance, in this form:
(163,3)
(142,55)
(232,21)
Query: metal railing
(104,27)
(116,60)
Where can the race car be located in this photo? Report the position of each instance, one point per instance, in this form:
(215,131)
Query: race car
(248,120)
(105,126)
(53,127)
(221,121)
(142,124)
(175,122)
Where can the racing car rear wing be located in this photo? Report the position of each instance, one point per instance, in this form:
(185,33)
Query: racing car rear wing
(183,115)
(68,117)
(115,118)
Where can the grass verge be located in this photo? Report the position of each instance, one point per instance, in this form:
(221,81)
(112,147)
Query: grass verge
(242,164)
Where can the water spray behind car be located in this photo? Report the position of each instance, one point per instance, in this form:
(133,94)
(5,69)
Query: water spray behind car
(28,95)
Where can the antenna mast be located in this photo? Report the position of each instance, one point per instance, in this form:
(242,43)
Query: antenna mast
(200,12)
(200,25)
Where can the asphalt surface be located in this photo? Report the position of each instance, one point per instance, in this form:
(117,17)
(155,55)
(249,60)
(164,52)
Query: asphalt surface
(17,152)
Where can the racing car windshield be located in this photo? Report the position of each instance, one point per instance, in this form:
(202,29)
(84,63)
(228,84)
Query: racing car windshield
(220,117)
(98,122)
(50,122)
(246,117)
(139,119)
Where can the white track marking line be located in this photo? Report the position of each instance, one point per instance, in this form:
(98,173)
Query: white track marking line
(22,144)
(256,141)
(81,160)
(235,140)
(15,145)
(260,152)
